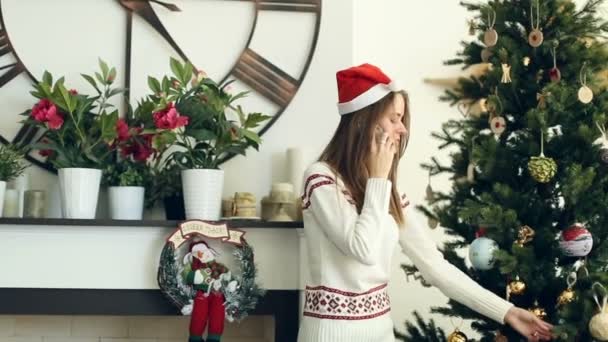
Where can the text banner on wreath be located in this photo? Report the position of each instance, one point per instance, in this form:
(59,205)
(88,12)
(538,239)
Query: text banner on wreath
(189,229)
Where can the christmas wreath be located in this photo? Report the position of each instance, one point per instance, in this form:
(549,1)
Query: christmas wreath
(187,267)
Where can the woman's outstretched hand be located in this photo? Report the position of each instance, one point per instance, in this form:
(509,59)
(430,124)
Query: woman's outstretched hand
(527,324)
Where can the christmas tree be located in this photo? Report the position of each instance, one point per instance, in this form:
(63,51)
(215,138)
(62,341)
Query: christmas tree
(529,198)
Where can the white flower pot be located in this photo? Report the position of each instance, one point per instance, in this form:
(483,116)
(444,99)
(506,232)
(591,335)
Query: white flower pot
(203,193)
(2,190)
(126,202)
(79,191)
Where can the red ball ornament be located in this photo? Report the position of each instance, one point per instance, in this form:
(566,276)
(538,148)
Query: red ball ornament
(576,241)
(555,75)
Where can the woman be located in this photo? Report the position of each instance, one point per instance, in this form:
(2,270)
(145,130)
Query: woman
(354,217)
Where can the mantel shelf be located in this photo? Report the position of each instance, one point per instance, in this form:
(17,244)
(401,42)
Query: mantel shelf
(142,223)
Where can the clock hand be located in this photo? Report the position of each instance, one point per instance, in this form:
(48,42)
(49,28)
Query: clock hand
(144,9)
(167,5)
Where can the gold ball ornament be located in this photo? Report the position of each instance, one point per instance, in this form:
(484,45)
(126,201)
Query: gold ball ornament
(566,297)
(525,235)
(457,336)
(517,286)
(598,326)
(542,169)
(538,311)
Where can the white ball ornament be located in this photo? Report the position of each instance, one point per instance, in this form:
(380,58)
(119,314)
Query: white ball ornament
(598,325)
(576,241)
(481,253)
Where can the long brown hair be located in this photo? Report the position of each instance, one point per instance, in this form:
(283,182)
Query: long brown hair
(349,149)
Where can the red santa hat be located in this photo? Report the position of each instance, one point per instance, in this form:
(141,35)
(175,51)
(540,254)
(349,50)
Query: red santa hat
(361,86)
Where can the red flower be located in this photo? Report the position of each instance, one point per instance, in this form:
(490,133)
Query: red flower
(142,153)
(45,153)
(41,110)
(55,121)
(46,111)
(73,91)
(122,129)
(141,149)
(169,118)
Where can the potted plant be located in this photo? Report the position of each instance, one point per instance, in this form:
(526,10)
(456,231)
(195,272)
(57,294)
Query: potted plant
(11,166)
(197,125)
(77,129)
(167,188)
(165,181)
(126,176)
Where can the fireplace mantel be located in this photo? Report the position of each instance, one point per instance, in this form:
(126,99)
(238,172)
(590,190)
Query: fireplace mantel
(108,267)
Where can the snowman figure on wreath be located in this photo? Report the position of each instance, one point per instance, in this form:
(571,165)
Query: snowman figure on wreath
(205,275)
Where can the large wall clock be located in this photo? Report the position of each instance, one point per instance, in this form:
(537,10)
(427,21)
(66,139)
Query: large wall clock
(265,45)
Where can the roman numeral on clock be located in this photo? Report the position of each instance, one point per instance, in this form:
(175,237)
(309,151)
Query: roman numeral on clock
(9,71)
(265,78)
(290,5)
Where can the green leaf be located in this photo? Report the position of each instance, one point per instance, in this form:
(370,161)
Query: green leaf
(164,139)
(251,135)
(242,116)
(201,134)
(115,91)
(223,87)
(47,78)
(105,70)
(112,75)
(92,82)
(187,74)
(46,90)
(149,131)
(108,126)
(239,96)
(100,78)
(154,85)
(166,86)
(177,68)
(66,98)
(60,81)
(254,119)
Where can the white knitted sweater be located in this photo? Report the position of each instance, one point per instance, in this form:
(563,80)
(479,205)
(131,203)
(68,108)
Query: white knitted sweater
(350,259)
